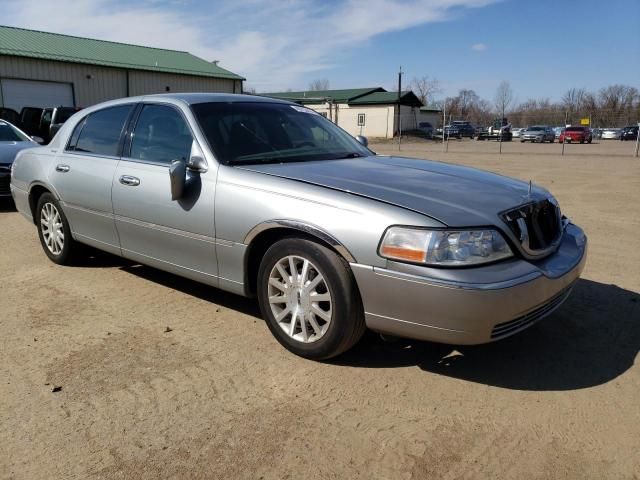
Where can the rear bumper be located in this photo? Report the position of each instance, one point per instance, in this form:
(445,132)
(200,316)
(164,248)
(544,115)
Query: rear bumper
(21,199)
(513,296)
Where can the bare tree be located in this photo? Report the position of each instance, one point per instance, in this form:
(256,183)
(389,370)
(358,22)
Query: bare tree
(504,97)
(319,85)
(249,90)
(425,88)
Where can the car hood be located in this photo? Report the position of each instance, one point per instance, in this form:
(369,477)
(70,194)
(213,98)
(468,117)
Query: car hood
(9,150)
(454,195)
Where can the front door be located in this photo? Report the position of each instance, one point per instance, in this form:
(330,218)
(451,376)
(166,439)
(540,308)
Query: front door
(83,176)
(175,235)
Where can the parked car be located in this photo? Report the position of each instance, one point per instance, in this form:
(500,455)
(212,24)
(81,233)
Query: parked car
(44,122)
(629,133)
(426,128)
(329,236)
(465,129)
(517,131)
(12,141)
(538,133)
(30,120)
(576,134)
(558,131)
(52,119)
(10,115)
(451,131)
(611,134)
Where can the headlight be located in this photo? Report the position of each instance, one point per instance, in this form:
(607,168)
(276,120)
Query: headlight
(443,247)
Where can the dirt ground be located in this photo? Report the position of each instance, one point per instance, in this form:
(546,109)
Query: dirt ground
(217,397)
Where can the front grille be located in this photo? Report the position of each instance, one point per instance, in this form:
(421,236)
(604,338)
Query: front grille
(537,225)
(505,329)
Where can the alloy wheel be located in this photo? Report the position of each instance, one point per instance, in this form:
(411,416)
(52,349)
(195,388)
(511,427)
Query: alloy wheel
(52,228)
(299,299)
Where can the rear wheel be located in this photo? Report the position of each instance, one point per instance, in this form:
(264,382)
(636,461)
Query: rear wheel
(54,231)
(309,299)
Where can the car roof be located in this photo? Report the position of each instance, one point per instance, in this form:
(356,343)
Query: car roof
(193,98)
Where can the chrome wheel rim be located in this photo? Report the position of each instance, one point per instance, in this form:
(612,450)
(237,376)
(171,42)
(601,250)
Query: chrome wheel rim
(299,299)
(52,229)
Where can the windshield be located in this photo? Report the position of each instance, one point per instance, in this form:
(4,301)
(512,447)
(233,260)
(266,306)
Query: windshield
(10,134)
(535,129)
(260,132)
(575,129)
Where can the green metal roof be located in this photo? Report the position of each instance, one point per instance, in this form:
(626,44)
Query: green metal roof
(21,42)
(384,98)
(321,96)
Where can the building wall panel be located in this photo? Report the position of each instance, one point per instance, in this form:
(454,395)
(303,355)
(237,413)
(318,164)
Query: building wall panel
(95,84)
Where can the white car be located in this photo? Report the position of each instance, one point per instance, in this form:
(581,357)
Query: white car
(516,132)
(611,133)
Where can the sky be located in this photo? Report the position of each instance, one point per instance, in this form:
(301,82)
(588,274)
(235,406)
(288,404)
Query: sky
(541,47)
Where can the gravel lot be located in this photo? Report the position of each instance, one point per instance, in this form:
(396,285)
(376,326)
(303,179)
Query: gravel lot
(217,397)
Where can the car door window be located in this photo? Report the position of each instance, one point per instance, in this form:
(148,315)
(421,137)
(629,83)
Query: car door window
(161,135)
(100,133)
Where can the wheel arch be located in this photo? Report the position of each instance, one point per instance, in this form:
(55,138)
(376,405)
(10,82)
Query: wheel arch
(262,236)
(36,190)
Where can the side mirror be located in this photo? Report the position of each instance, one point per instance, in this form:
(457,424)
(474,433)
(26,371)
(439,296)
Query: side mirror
(178,178)
(362,140)
(37,139)
(197,164)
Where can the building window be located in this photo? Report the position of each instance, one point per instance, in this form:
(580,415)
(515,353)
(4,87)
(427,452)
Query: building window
(361,119)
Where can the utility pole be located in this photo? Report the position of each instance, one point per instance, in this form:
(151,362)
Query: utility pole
(564,134)
(399,116)
(444,120)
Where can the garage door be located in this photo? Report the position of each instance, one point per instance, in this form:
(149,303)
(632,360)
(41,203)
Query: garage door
(30,93)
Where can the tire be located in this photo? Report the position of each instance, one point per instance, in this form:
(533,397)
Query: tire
(522,141)
(341,323)
(55,235)
(589,141)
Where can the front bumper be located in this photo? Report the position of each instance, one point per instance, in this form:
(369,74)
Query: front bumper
(473,305)
(5,180)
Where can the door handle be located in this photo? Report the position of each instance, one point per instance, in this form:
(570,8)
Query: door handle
(129,180)
(63,168)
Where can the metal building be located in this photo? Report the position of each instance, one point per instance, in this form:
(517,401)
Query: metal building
(372,112)
(42,69)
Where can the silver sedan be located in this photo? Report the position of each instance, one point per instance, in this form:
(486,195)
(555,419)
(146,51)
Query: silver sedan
(269,199)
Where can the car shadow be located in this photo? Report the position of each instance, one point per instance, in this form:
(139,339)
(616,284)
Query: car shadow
(592,339)
(195,289)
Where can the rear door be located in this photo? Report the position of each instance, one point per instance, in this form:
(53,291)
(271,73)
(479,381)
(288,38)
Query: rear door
(175,235)
(83,175)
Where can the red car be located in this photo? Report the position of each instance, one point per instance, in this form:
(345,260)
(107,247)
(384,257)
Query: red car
(576,134)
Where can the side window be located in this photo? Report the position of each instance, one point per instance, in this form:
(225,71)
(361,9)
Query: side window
(161,135)
(101,132)
(74,136)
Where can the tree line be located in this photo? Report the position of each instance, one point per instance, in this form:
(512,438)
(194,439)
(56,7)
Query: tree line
(611,106)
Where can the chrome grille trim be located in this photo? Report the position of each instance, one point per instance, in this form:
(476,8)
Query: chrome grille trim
(529,225)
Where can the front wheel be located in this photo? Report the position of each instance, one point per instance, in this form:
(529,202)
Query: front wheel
(54,231)
(309,299)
